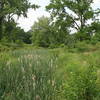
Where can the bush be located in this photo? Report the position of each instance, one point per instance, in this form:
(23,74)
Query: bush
(81,85)
(82,46)
(4,46)
(70,41)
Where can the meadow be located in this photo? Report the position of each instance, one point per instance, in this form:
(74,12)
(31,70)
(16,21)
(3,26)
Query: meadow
(49,74)
(49,50)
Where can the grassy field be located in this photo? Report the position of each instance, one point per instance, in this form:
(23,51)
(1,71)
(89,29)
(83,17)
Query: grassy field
(49,74)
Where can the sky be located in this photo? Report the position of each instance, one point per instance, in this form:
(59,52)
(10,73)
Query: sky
(26,23)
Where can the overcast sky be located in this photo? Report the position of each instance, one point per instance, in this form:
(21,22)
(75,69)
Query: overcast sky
(26,23)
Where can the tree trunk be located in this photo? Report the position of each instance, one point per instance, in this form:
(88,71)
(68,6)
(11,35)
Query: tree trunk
(1,19)
(1,28)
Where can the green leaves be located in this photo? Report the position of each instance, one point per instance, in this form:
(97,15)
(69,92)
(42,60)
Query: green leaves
(9,8)
(82,84)
(89,15)
(28,75)
(46,34)
(41,32)
(75,13)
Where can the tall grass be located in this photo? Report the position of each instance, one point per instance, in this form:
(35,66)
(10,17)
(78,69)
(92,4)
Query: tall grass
(27,75)
(45,74)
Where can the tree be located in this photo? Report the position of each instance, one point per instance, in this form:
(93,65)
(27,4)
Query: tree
(18,35)
(44,34)
(13,33)
(95,29)
(73,13)
(9,8)
(40,31)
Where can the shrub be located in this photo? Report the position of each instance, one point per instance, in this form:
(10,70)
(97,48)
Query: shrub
(81,85)
(82,46)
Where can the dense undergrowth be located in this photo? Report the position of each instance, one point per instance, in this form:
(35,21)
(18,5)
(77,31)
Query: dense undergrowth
(50,74)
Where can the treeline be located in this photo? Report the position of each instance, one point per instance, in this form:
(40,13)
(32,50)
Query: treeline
(70,22)
(45,34)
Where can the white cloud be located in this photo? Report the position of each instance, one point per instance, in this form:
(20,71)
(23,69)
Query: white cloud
(96,1)
(96,4)
(26,23)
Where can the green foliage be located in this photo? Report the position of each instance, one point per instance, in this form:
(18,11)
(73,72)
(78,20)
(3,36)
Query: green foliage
(40,32)
(78,74)
(46,35)
(72,14)
(82,35)
(70,41)
(50,74)
(4,46)
(27,74)
(18,34)
(13,33)
(71,73)
(85,46)
(82,84)
(95,27)
(8,9)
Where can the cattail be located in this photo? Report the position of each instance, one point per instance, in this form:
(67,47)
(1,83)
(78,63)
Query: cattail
(8,63)
(53,83)
(19,59)
(30,65)
(33,77)
(38,97)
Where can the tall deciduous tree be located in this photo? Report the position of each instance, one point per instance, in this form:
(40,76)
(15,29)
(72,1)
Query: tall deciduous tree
(75,13)
(8,8)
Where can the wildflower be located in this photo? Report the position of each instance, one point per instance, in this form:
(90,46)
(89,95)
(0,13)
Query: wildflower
(33,77)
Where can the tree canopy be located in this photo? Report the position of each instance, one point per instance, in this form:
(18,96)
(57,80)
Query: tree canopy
(74,14)
(44,34)
(9,8)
